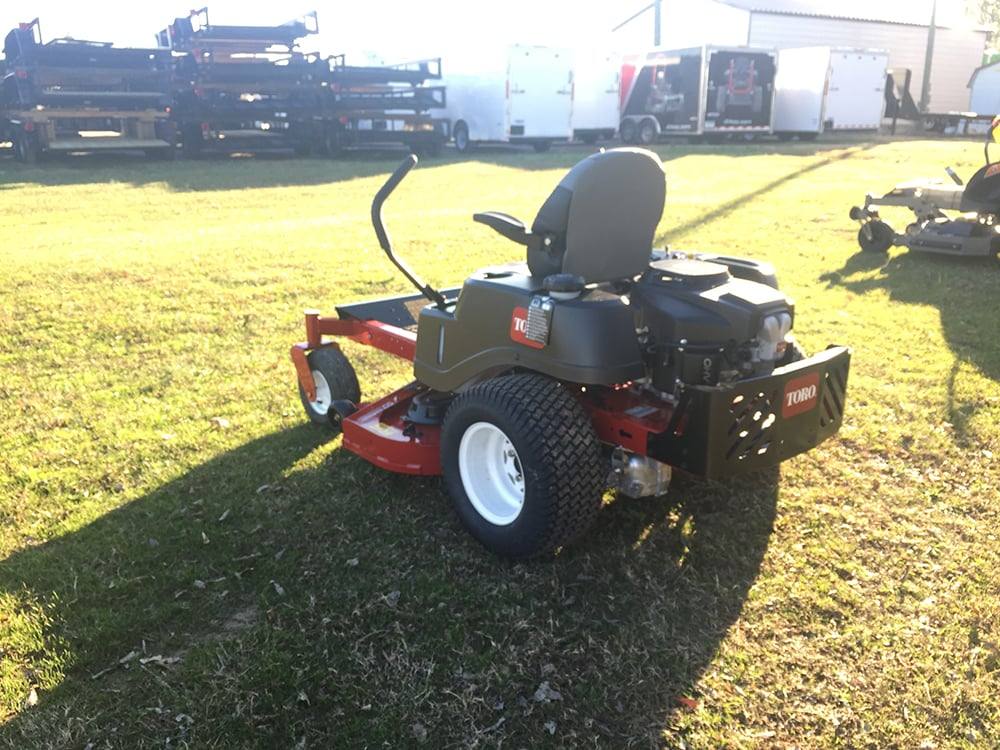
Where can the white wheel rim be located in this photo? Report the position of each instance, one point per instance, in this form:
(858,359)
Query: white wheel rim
(321,404)
(492,473)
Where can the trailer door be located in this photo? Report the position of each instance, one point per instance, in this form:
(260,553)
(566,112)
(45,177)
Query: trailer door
(595,100)
(799,89)
(739,91)
(540,93)
(856,99)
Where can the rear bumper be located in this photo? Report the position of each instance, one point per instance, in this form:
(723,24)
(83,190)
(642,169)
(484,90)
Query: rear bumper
(753,424)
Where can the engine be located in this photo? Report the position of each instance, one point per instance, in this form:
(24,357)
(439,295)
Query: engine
(710,320)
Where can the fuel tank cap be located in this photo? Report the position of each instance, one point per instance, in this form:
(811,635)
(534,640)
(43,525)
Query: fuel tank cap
(697,274)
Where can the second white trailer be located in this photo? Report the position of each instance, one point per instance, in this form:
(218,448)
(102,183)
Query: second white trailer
(523,94)
(596,81)
(820,89)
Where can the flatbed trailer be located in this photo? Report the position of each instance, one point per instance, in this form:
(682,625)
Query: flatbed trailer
(243,88)
(383,105)
(74,95)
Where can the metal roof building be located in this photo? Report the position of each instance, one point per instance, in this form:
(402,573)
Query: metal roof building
(901,28)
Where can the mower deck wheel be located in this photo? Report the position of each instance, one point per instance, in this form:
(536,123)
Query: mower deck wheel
(335,380)
(522,464)
(876,237)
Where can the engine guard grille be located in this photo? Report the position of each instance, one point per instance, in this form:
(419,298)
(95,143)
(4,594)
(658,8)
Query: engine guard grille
(752,424)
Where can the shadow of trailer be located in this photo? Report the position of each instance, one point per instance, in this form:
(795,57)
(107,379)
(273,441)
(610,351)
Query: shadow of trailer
(75,95)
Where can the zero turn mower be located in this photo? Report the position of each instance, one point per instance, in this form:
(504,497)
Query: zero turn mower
(972,232)
(597,363)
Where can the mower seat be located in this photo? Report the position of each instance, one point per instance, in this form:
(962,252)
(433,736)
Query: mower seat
(598,223)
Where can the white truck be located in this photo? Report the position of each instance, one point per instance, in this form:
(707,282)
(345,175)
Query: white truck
(523,94)
(821,89)
(596,80)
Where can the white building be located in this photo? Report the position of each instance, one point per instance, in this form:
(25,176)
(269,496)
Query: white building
(898,26)
(985,87)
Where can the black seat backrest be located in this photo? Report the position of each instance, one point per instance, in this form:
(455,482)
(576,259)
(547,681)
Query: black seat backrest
(602,217)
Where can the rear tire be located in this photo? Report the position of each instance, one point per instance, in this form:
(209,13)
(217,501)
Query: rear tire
(461,135)
(335,381)
(522,464)
(881,239)
(541,146)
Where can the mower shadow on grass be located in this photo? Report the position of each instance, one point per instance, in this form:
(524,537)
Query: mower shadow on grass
(346,581)
(964,291)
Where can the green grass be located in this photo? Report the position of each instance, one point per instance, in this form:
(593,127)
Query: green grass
(853,601)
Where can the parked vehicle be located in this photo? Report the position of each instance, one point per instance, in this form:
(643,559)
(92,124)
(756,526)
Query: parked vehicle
(75,95)
(949,218)
(702,92)
(600,362)
(520,95)
(596,113)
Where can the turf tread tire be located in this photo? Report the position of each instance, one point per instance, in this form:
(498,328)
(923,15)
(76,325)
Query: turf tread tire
(560,454)
(340,376)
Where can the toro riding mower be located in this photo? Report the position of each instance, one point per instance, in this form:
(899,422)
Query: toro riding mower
(972,232)
(597,363)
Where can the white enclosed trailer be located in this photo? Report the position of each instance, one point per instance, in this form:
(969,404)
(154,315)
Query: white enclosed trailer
(522,94)
(596,81)
(800,88)
(821,89)
(855,98)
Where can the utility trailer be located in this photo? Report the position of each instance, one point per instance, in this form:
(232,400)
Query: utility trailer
(828,89)
(705,93)
(380,105)
(596,79)
(520,95)
(244,88)
(74,95)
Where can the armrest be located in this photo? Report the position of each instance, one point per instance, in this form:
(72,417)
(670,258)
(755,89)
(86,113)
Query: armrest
(505,224)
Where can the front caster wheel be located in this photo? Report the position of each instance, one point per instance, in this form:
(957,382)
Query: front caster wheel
(335,381)
(876,237)
(522,464)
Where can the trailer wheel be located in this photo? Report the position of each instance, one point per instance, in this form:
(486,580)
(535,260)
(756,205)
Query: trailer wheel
(590,138)
(191,141)
(522,464)
(26,147)
(647,132)
(876,237)
(628,131)
(332,145)
(461,135)
(541,146)
(785,137)
(335,381)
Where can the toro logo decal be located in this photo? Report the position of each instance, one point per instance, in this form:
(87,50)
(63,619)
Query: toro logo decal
(801,395)
(519,329)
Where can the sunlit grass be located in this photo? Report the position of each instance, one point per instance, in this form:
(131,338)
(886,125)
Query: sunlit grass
(853,603)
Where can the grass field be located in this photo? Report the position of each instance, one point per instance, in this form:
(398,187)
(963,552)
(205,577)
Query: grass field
(185,563)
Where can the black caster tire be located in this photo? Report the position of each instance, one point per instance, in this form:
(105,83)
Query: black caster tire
(876,237)
(522,464)
(335,381)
